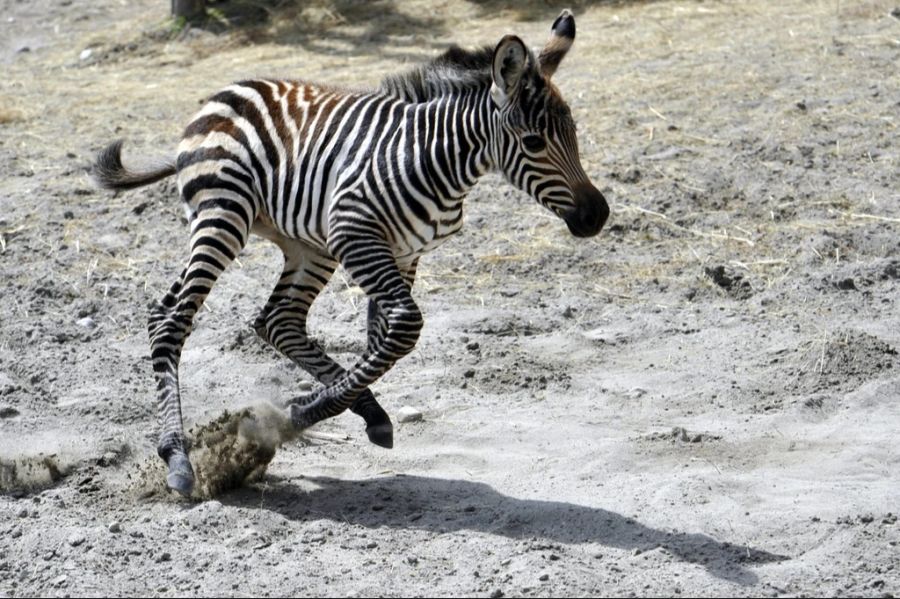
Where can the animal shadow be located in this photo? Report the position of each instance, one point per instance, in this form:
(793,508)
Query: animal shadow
(442,505)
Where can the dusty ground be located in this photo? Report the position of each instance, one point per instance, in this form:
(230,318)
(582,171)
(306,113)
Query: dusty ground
(701,401)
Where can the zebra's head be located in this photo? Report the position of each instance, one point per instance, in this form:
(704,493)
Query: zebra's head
(534,135)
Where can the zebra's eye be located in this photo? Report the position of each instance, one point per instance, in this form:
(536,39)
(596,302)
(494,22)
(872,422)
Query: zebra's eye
(534,143)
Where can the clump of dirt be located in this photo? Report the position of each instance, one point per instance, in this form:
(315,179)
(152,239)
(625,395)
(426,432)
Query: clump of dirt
(733,283)
(680,434)
(226,453)
(842,361)
(29,473)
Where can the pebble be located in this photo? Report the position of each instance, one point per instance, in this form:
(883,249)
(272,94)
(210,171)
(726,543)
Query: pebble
(544,577)
(115,527)
(59,580)
(165,556)
(23,513)
(412,560)
(409,414)
(496,593)
(8,412)
(85,54)
(86,322)
(76,539)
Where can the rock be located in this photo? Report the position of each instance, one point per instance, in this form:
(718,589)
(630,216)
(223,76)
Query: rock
(8,412)
(845,284)
(23,513)
(115,527)
(86,322)
(76,539)
(544,577)
(409,414)
(165,556)
(85,54)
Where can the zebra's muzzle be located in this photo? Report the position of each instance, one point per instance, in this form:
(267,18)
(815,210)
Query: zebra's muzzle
(590,212)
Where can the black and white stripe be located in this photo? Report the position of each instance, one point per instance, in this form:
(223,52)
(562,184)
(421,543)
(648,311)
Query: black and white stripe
(370,181)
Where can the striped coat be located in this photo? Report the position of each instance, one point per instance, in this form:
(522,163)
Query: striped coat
(366,180)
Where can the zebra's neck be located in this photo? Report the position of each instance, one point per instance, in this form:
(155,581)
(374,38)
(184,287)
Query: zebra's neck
(447,142)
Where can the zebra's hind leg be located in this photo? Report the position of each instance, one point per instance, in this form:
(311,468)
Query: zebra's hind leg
(217,236)
(372,265)
(282,323)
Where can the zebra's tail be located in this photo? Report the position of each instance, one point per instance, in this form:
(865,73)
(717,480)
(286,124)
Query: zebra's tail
(109,173)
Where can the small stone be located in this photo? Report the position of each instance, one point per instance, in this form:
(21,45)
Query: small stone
(544,577)
(8,412)
(569,312)
(115,527)
(87,322)
(371,545)
(412,560)
(554,557)
(23,513)
(59,580)
(85,54)
(165,556)
(409,414)
(469,373)
(16,532)
(496,593)
(76,539)
(846,284)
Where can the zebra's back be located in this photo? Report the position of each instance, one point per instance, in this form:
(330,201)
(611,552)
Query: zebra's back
(278,150)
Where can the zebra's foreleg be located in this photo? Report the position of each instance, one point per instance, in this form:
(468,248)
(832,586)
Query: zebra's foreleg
(373,267)
(217,237)
(282,323)
(378,424)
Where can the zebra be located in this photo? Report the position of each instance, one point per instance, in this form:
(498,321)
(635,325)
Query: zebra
(368,180)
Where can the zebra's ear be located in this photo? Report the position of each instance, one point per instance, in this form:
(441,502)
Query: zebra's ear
(511,59)
(562,35)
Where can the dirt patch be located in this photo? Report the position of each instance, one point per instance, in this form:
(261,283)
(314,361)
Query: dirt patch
(842,361)
(31,473)
(744,286)
(226,453)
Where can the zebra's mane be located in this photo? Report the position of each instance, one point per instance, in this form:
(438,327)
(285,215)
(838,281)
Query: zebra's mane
(454,70)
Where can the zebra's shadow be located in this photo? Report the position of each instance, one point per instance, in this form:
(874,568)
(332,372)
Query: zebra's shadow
(443,505)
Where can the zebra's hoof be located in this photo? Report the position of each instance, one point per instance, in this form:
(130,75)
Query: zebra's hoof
(381,435)
(181,475)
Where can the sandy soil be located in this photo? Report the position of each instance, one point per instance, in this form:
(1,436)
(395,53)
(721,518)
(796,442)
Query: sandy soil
(701,401)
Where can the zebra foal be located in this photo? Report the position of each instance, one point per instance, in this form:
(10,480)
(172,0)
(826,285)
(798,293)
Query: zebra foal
(368,180)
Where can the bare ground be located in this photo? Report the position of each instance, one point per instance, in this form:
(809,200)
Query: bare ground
(701,401)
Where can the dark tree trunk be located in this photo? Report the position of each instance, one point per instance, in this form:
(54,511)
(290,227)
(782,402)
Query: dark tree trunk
(189,9)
